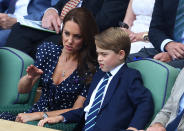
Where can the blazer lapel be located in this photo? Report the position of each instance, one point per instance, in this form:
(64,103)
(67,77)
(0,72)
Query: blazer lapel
(94,83)
(11,8)
(113,85)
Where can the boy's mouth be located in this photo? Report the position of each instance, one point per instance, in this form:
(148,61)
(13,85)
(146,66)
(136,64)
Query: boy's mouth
(101,65)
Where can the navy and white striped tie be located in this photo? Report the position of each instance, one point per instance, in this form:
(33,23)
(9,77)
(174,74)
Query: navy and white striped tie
(92,114)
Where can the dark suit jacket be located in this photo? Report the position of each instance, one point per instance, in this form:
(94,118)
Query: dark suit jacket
(127,103)
(163,21)
(4,5)
(107,12)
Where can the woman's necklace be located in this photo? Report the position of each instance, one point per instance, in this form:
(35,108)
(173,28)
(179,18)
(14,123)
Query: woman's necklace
(63,74)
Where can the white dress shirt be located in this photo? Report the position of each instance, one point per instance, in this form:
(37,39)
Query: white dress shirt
(21,9)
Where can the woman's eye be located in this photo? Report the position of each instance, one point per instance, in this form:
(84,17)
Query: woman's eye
(78,36)
(67,33)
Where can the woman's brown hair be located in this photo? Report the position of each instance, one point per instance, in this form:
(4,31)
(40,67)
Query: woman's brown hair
(87,58)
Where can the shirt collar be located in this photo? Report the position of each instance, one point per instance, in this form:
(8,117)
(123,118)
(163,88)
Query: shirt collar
(116,69)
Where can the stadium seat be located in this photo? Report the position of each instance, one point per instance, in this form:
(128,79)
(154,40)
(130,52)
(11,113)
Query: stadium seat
(158,77)
(13,64)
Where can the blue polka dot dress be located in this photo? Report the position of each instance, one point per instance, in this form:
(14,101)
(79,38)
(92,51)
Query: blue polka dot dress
(54,97)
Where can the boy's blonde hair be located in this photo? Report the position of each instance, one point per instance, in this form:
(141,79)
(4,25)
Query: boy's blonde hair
(114,39)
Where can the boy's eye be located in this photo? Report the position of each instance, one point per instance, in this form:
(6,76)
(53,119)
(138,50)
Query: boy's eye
(104,54)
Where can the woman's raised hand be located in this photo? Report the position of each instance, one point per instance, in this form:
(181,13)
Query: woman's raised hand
(33,71)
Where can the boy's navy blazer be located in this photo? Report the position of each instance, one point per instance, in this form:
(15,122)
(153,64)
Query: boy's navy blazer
(126,103)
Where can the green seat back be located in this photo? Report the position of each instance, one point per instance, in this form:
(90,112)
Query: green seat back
(13,64)
(158,77)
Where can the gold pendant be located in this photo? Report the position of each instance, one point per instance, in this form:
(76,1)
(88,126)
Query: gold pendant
(63,74)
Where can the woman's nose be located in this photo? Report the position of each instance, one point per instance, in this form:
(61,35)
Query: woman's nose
(70,39)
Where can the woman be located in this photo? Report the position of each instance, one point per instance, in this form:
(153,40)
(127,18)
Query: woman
(64,70)
(137,20)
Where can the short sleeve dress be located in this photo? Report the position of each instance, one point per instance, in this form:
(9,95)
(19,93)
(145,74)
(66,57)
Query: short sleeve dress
(54,97)
(143,11)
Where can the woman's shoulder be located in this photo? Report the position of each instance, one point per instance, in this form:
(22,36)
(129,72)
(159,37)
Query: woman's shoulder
(49,47)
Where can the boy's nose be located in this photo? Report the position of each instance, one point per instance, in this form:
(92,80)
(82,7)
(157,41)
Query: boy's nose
(99,58)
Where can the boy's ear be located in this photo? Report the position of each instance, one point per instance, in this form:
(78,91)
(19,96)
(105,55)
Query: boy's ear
(122,54)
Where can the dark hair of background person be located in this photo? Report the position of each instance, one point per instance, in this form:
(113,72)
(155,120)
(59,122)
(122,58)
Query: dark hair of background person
(87,57)
(114,39)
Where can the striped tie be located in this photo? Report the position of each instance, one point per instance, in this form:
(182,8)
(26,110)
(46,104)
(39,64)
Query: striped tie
(92,114)
(179,23)
(71,4)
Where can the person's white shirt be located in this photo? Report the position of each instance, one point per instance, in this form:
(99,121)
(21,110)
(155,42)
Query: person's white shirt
(20,9)
(164,43)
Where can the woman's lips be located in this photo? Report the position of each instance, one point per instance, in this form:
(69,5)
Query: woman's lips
(69,48)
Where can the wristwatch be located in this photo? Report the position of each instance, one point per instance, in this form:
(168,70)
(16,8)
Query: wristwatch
(124,25)
(45,115)
(145,37)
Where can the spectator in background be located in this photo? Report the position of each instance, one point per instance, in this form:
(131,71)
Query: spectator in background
(17,11)
(166,33)
(64,70)
(106,12)
(172,110)
(137,22)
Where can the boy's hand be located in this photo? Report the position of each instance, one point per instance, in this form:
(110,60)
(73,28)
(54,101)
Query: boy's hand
(51,120)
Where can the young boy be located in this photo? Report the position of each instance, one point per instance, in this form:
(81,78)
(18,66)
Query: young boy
(117,99)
